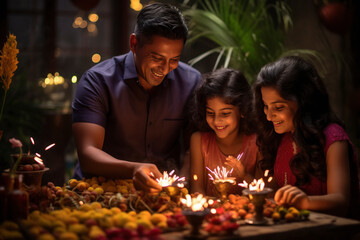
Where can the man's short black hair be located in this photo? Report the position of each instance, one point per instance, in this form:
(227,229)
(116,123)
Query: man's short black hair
(160,19)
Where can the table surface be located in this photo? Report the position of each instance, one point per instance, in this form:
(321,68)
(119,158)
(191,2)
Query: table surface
(319,226)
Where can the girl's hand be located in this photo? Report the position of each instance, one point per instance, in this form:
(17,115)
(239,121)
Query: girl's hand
(291,195)
(239,169)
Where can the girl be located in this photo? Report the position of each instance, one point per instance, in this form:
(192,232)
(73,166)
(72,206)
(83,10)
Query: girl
(302,141)
(222,103)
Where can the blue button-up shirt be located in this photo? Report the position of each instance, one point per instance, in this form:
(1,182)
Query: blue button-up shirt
(139,126)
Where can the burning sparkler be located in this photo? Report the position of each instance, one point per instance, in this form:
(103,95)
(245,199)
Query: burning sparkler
(218,173)
(168,179)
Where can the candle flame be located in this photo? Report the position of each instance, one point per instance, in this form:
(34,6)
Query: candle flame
(266,173)
(269,179)
(195,177)
(168,180)
(38,155)
(196,204)
(218,173)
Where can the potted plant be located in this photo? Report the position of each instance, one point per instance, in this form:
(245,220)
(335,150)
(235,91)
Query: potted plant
(246,34)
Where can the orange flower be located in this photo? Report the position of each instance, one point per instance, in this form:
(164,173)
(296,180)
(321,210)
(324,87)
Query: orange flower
(8,61)
(8,65)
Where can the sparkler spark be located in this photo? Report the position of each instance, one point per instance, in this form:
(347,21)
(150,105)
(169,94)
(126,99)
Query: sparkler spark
(50,146)
(32,141)
(239,156)
(39,160)
(168,180)
(218,173)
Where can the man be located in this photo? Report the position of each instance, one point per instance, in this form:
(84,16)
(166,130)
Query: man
(129,111)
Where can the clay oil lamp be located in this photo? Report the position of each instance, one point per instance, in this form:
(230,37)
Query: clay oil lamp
(195,209)
(257,192)
(222,180)
(171,183)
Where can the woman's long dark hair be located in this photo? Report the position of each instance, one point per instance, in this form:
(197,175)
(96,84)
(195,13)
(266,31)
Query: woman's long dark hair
(228,84)
(296,80)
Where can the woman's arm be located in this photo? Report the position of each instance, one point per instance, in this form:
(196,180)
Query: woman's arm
(196,164)
(337,199)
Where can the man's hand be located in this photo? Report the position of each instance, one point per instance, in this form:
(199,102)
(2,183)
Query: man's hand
(144,176)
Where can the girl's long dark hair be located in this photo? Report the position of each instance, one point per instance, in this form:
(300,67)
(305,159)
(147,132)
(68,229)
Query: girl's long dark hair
(296,80)
(228,84)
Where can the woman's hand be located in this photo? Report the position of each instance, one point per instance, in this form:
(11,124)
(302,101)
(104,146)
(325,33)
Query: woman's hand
(144,178)
(239,169)
(290,195)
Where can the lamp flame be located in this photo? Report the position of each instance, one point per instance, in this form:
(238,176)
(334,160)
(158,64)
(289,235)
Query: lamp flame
(256,185)
(196,204)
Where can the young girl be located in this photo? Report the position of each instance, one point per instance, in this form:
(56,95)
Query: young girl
(222,103)
(302,141)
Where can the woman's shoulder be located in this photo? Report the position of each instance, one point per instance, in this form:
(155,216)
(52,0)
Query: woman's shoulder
(334,132)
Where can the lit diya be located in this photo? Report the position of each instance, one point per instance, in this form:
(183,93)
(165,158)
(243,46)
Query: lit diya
(257,193)
(222,180)
(171,183)
(195,210)
(31,166)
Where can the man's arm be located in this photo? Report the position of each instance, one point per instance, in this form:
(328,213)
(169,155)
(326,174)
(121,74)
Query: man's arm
(89,140)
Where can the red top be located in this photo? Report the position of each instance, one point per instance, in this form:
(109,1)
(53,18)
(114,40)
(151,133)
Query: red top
(213,158)
(285,153)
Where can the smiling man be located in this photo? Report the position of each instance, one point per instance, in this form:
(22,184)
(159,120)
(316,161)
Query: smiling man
(129,112)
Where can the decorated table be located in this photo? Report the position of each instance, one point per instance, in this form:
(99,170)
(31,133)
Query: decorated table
(100,208)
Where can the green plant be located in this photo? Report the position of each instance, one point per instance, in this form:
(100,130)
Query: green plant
(21,118)
(247,33)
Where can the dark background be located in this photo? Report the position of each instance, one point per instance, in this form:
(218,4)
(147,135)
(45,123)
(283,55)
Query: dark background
(49,43)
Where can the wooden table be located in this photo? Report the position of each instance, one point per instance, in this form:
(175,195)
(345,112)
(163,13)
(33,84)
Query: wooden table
(319,226)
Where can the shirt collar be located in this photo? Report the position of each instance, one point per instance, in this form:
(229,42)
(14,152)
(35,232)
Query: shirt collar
(131,73)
